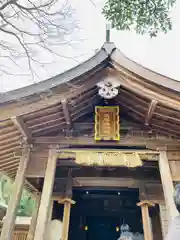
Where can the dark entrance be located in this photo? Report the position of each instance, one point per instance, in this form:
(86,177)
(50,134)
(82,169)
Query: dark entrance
(102,227)
(99,213)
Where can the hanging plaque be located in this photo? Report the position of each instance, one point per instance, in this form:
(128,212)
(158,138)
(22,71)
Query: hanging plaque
(107,123)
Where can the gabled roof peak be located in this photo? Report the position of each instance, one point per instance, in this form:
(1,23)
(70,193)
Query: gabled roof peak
(109,47)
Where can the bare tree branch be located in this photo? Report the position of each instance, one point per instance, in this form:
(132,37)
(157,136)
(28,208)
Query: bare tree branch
(31,26)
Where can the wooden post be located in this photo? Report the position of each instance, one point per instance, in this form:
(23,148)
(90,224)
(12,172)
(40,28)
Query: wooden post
(66,217)
(167,184)
(50,210)
(32,227)
(8,226)
(146,219)
(46,195)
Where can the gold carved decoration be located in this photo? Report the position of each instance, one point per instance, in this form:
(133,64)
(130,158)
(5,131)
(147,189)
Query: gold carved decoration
(108,159)
(114,158)
(107,123)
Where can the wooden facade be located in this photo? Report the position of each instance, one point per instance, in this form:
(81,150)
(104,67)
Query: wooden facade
(41,122)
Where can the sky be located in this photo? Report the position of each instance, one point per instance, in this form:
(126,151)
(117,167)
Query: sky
(161,54)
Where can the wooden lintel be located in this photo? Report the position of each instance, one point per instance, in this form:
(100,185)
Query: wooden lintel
(66,113)
(150,111)
(21,126)
(150,143)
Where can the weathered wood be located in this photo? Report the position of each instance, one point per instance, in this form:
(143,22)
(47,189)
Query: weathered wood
(130,82)
(37,165)
(66,217)
(9,222)
(50,210)
(130,139)
(32,227)
(175,170)
(21,126)
(156,223)
(46,196)
(164,218)
(66,113)
(30,105)
(167,184)
(67,206)
(150,112)
(146,219)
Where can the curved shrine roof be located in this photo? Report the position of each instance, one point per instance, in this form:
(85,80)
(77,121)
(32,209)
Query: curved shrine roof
(109,54)
(47,107)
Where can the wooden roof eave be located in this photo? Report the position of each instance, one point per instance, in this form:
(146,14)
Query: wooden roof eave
(155,78)
(131,84)
(65,77)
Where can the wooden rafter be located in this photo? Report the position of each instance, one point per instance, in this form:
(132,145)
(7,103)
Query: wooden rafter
(21,126)
(66,113)
(150,111)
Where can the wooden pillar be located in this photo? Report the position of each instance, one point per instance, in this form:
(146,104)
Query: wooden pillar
(156,223)
(66,217)
(163,219)
(9,222)
(32,227)
(50,210)
(46,195)
(146,219)
(167,184)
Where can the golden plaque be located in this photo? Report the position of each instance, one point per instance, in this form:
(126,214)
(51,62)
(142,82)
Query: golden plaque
(107,123)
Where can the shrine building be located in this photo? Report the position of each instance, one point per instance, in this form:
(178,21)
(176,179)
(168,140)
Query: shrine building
(98,146)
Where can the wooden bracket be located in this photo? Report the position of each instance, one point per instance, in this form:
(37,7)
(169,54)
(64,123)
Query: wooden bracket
(21,126)
(66,113)
(66,200)
(145,203)
(150,111)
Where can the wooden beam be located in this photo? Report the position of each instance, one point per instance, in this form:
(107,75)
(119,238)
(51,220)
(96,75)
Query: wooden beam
(8,226)
(150,111)
(139,139)
(46,196)
(66,113)
(167,184)
(21,126)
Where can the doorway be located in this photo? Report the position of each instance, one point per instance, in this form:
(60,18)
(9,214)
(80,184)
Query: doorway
(100,212)
(102,227)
